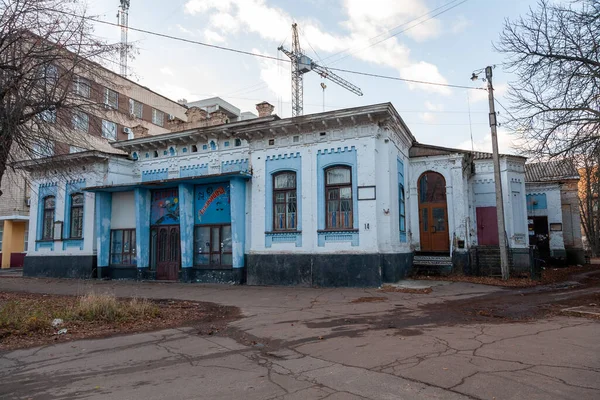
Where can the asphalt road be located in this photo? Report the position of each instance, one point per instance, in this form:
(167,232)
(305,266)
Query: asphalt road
(462,341)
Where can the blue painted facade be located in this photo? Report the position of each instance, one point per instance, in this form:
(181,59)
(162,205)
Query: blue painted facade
(186,224)
(234,166)
(401,201)
(142,226)
(238,220)
(537,201)
(155,174)
(212,204)
(103,220)
(193,170)
(164,208)
(275,164)
(345,156)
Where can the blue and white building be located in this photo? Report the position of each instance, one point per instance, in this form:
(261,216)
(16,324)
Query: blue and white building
(340,198)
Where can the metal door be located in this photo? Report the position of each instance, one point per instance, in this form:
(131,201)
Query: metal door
(167,252)
(487,226)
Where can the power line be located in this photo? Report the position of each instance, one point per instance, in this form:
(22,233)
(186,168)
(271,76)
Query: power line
(270,57)
(402,31)
(392,29)
(163,35)
(404,80)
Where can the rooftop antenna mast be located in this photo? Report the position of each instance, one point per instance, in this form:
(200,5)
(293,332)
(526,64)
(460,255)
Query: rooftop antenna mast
(123,19)
(302,64)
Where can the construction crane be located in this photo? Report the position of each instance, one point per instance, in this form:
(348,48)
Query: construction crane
(302,64)
(123,18)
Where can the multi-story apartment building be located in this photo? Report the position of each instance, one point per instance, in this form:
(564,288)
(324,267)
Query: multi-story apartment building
(120,109)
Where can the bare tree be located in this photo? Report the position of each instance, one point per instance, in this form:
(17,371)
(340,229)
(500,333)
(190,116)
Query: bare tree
(555,100)
(589,195)
(50,63)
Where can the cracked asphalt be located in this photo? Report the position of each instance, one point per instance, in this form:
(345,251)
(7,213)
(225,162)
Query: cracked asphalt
(462,341)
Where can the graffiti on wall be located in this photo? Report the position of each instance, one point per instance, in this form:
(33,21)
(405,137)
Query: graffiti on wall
(165,207)
(212,204)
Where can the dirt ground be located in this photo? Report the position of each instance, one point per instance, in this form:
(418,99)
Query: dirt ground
(549,276)
(460,341)
(206,317)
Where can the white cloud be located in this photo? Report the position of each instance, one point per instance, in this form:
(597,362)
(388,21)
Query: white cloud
(277,76)
(366,19)
(200,6)
(213,37)
(507,143)
(166,71)
(224,22)
(423,71)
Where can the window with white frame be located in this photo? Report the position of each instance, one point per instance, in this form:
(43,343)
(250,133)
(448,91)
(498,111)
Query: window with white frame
(111,98)
(81,121)
(1,233)
(76,231)
(48,218)
(285,207)
(136,108)
(109,130)
(338,198)
(82,87)
(158,117)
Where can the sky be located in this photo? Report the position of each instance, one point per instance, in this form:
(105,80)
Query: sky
(445,48)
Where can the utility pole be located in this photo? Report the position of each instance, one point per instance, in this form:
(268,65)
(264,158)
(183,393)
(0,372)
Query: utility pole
(496,159)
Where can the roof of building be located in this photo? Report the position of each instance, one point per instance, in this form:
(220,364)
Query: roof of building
(555,170)
(425,150)
(273,125)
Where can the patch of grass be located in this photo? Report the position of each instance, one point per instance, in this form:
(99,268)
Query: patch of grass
(107,308)
(30,316)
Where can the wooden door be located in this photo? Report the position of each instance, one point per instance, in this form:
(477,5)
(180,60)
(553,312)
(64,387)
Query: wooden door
(167,252)
(433,226)
(433,213)
(487,226)
(540,237)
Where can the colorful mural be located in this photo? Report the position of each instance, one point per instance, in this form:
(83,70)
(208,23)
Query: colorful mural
(212,204)
(165,207)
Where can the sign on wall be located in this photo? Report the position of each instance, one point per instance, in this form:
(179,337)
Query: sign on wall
(212,204)
(165,207)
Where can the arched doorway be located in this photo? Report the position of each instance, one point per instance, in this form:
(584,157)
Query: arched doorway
(433,212)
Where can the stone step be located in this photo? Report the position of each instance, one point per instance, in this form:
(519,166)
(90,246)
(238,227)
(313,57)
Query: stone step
(432,260)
